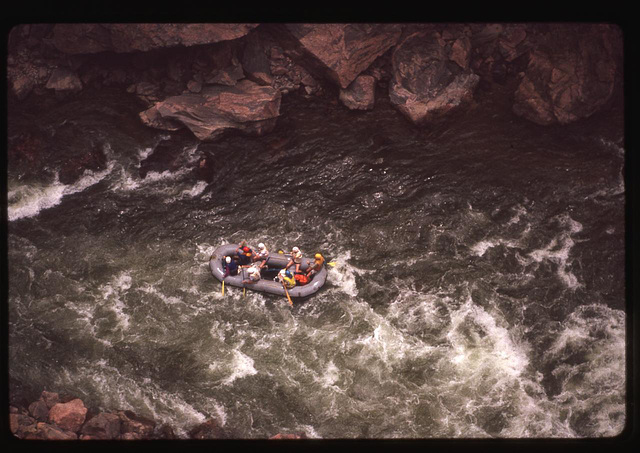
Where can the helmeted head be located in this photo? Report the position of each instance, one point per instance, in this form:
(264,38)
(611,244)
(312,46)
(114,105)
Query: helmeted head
(228,259)
(318,256)
(261,246)
(296,249)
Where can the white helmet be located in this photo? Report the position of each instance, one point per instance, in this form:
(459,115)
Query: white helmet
(261,245)
(228,259)
(296,249)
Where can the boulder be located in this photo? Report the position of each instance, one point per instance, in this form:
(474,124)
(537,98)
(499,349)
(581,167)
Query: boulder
(69,416)
(360,95)
(135,425)
(426,82)
(570,75)
(210,429)
(103,426)
(248,107)
(22,425)
(94,38)
(64,79)
(39,410)
(45,431)
(50,398)
(343,51)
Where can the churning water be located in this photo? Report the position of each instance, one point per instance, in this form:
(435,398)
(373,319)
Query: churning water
(478,291)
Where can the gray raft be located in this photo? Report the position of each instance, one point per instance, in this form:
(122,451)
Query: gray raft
(266,284)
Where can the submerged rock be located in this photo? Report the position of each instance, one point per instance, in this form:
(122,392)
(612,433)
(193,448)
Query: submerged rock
(248,107)
(430,76)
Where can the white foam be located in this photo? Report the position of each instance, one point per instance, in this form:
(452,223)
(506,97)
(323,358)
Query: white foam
(560,255)
(112,292)
(241,365)
(29,199)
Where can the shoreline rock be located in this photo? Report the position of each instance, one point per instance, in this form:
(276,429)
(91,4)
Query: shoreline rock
(71,420)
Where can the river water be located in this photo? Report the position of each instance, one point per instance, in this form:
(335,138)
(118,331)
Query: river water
(478,291)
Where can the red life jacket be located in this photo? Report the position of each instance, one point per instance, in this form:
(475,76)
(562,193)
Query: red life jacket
(301,279)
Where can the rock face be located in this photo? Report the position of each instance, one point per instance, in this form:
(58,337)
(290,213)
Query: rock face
(570,79)
(345,50)
(247,106)
(93,38)
(431,76)
(103,426)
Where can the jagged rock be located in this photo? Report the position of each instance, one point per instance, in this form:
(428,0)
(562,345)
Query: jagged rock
(93,38)
(102,426)
(569,77)
(50,398)
(69,416)
(64,79)
(426,84)
(247,106)
(360,95)
(45,431)
(21,425)
(343,51)
(136,425)
(255,61)
(39,410)
(210,429)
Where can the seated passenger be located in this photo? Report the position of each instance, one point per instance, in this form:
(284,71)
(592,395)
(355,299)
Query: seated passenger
(287,278)
(296,258)
(245,255)
(231,267)
(262,255)
(314,268)
(254,275)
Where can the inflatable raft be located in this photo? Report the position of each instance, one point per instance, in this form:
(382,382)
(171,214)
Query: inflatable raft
(275,263)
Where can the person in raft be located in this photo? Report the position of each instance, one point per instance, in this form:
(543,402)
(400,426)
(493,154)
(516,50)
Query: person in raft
(262,255)
(296,258)
(245,255)
(318,262)
(231,267)
(286,277)
(254,275)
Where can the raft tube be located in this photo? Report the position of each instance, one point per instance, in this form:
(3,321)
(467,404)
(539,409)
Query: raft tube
(266,284)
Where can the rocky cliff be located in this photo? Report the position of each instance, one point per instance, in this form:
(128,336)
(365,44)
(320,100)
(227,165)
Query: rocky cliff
(212,78)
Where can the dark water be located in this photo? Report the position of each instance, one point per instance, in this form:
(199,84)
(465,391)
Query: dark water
(478,291)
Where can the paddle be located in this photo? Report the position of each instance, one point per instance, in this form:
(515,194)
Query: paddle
(223,287)
(287,293)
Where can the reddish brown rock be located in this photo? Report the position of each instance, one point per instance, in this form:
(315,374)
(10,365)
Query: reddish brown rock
(210,429)
(21,425)
(93,38)
(103,426)
(570,76)
(135,425)
(69,416)
(289,436)
(64,79)
(249,107)
(39,410)
(345,50)
(426,84)
(360,95)
(50,398)
(45,431)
